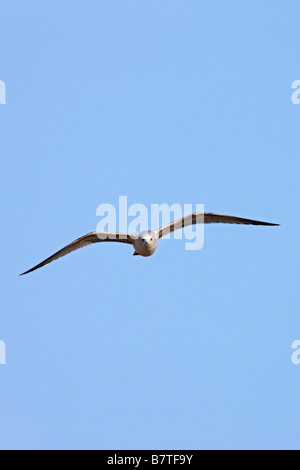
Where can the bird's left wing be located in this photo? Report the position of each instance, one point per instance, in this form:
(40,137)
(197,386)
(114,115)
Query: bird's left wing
(207,218)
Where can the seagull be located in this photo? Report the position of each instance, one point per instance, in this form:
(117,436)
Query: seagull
(146,242)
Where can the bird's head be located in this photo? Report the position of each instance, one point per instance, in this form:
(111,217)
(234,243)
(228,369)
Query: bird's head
(146,243)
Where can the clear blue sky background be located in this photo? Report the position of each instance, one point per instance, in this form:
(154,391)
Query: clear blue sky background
(162,101)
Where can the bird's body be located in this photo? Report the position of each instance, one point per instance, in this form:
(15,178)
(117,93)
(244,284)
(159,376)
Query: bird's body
(145,243)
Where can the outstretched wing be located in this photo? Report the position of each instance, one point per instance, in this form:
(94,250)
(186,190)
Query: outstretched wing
(86,240)
(207,218)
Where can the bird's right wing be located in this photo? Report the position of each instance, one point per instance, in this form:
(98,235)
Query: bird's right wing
(86,240)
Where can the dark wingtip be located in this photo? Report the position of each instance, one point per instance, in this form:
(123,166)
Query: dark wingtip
(268,224)
(23,274)
(29,271)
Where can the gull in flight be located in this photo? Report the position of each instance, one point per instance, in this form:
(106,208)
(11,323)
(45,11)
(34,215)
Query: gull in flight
(145,243)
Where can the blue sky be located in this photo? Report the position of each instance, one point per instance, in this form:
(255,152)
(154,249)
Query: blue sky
(164,102)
